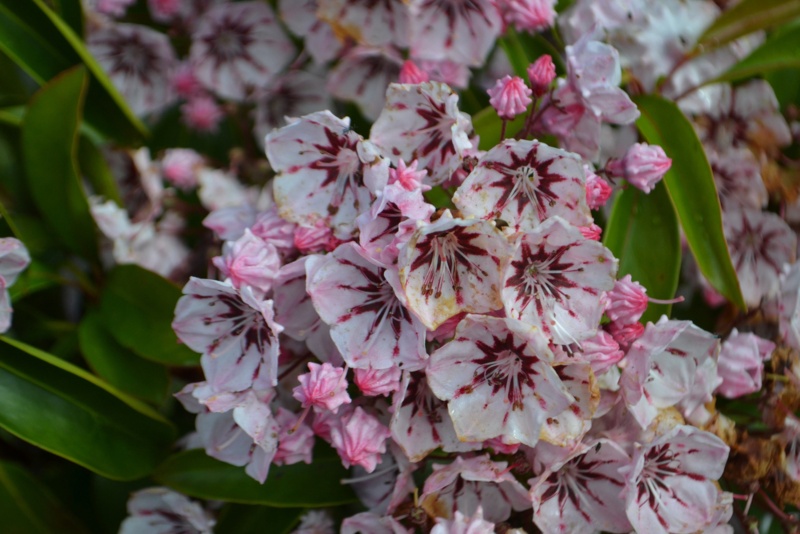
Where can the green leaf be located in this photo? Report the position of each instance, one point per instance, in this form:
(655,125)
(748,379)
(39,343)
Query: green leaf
(28,507)
(489,126)
(49,146)
(94,167)
(63,409)
(747,17)
(36,277)
(43,45)
(643,233)
(119,365)
(288,486)
(522,49)
(779,52)
(248,519)
(691,187)
(137,307)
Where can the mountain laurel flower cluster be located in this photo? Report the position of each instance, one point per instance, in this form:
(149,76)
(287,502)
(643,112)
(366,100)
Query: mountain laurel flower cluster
(409,266)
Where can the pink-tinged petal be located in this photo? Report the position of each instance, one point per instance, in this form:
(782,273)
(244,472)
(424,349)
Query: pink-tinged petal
(410,72)
(234,332)
(275,230)
(467,484)
(164,511)
(453,266)
(254,416)
(741,363)
(580,494)
(14,258)
(598,191)
(369,324)
(323,387)
(295,440)
(202,113)
(139,62)
(378,23)
(568,428)
(420,422)
(601,351)
(463,524)
(523,183)
(789,306)
(567,117)
(387,488)
(324,170)
(498,381)
(643,166)
(556,280)
(374,382)
(661,366)
(462,31)
(670,485)
(422,122)
(293,307)
(239,47)
(541,74)
(627,301)
(362,76)
(360,439)
(737,174)
(249,261)
(530,15)
(760,243)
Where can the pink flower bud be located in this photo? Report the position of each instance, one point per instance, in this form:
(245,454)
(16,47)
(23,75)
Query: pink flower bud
(592,232)
(601,351)
(643,166)
(179,166)
(323,387)
(295,440)
(541,74)
(627,301)
(598,191)
(530,15)
(201,113)
(374,382)
(360,439)
(411,73)
(185,82)
(249,261)
(510,97)
(409,177)
(312,239)
(625,334)
(741,363)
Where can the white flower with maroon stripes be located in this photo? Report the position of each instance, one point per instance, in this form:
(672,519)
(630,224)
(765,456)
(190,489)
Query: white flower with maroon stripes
(497,378)
(452,266)
(239,47)
(369,324)
(524,183)
(568,428)
(422,122)
(325,172)
(235,333)
(379,23)
(670,485)
(140,62)
(580,494)
(556,280)
(462,31)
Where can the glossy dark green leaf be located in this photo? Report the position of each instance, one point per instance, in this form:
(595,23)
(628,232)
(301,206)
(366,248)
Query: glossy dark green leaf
(489,127)
(28,507)
(50,146)
(118,365)
(691,188)
(293,486)
(747,17)
(643,233)
(137,306)
(43,45)
(69,412)
(33,279)
(249,519)
(779,52)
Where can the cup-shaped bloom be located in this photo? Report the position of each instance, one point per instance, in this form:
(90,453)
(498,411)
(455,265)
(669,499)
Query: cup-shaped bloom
(380,24)
(556,280)
(741,363)
(498,381)
(510,97)
(369,323)
(523,183)
(464,524)
(422,122)
(643,166)
(325,172)
(580,494)
(165,511)
(452,266)
(670,486)
(362,76)
(239,47)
